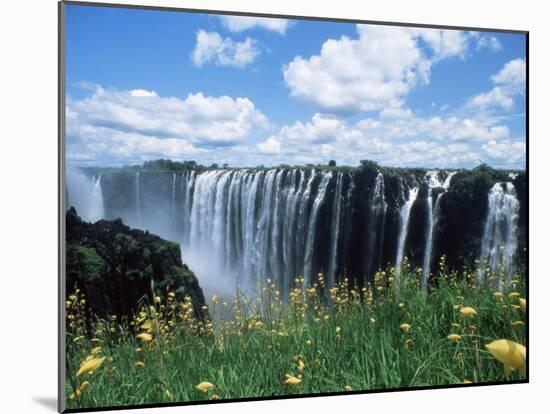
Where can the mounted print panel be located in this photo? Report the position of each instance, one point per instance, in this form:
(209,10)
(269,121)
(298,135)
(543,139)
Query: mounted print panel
(257,207)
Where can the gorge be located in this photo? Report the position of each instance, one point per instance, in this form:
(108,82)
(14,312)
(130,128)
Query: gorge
(239,226)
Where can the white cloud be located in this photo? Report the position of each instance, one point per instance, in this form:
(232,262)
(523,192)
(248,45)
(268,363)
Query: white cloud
(393,138)
(495,97)
(212,48)
(240,23)
(506,152)
(374,71)
(142,93)
(510,81)
(138,123)
(444,43)
(513,73)
(488,42)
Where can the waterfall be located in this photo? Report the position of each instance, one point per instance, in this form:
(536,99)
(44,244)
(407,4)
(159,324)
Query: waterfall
(238,227)
(138,200)
(499,242)
(174,194)
(432,178)
(85,193)
(335,230)
(311,230)
(404,216)
(375,227)
(96,204)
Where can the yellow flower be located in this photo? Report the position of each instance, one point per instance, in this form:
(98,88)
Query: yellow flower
(215,397)
(83,386)
(498,295)
(466,381)
(405,327)
(78,338)
(513,295)
(148,325)
(96,350)
(89,366)
(205,386)
(338,330)
(456,307)
(73,395)
(523,304)
(157,299)
(401,305)
(517,324)
(372,320)
(292,380)
(300,365)
(140,364)
(145,337)
(468,312)
(408,343)
(455,325)
(348,388)
(454,337)
(510,353)
(308,342)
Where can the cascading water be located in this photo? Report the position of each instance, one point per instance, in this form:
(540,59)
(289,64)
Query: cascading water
(432,178)
(335,230)
(500,236)
(86,195)
(310,243)
(238,227)
(404,216)
(375,228)
(138,200)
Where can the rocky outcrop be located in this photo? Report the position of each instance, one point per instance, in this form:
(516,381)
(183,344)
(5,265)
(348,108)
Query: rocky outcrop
(118,267)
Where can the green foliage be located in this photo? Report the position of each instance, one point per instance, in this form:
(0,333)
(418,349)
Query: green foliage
(353,340)
(85,263)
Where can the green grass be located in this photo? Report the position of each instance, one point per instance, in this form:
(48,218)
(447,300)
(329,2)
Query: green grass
(245,359)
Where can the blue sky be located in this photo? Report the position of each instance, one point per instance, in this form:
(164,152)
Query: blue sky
(145,84)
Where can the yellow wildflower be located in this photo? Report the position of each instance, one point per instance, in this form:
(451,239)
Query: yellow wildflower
(140,364)
(468,312)
(517,324)
(348,388)
(205,386)
(523,304)
(513,295)
(510,353)
(145,337)
(338,330)
(89,366)
(466,381)
(96,350)
(498,295)
(454,337)
(292,380)
(405,327)
(215,397)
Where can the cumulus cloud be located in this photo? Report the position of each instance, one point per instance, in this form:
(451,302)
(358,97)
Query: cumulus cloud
(488,42)
(509,81)
(212,48)
(374,71)
(240,23)
(398,138)
(506,152)
(139,123)
(513,73)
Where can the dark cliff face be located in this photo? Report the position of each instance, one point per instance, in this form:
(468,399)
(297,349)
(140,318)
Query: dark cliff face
(458,234)
(114,266)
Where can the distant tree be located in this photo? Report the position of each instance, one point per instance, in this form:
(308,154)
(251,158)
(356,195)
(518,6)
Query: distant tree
(332,163)
(369,165)
(214,166)
(225,165)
